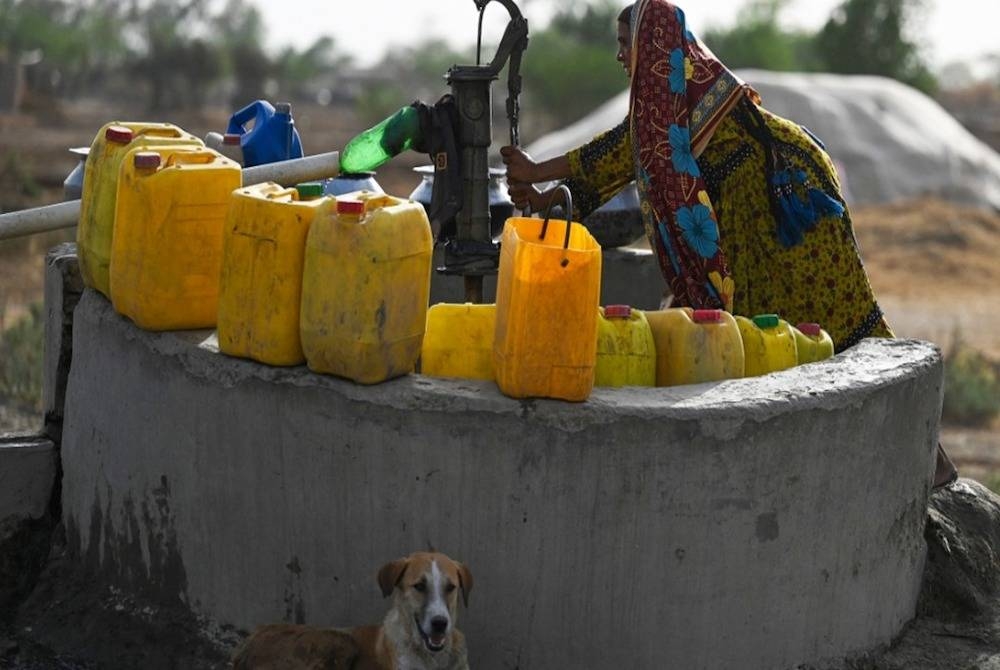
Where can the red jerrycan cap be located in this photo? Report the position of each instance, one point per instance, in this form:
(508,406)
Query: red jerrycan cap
(231,138)
(812,329)
(707,316)
(766,321)
(146,159)
(119,134)
(617,312)
(350,207)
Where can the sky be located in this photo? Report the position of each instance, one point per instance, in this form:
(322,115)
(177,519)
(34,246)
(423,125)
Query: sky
(956,30)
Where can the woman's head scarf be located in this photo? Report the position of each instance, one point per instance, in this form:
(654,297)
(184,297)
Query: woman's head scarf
(680,92)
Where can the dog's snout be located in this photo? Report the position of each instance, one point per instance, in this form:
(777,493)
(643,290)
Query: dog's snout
(439,625)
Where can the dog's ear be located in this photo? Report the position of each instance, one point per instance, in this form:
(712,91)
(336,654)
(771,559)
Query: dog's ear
(464,581)
(390,574)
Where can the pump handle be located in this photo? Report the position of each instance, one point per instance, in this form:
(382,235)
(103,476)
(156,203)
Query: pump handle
(512,45)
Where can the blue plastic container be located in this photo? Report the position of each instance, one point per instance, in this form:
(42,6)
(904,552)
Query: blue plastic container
(273,136)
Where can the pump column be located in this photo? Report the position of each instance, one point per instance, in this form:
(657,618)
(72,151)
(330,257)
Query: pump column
(471,87)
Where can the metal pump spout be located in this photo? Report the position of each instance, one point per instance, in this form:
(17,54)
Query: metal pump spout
(472,252)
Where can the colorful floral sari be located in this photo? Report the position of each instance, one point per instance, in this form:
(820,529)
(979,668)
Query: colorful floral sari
(680,93)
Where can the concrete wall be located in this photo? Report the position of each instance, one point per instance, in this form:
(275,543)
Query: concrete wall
(27,473)
(756,523)
(29,464)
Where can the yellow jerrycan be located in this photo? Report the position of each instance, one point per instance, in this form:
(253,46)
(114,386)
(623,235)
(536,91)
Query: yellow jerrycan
(812,343)
(459,341)
(548,291)
(263,254)
(100,187)
(695,346)
(626,353)
(166,254)
(365,287)
(768,343)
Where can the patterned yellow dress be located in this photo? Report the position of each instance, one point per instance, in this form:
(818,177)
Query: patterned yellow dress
(821,279)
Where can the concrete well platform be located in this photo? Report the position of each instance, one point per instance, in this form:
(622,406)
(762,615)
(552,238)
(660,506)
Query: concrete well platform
(757,523)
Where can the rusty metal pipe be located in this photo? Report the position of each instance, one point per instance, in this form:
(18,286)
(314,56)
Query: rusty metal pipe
(66,214)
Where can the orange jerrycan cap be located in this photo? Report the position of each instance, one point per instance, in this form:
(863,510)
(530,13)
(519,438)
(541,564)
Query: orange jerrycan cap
(617,312)
(350,207)
(766,321)
(707,316)
(119,134)
(146,160)
(231,138)
(312,189)
(812,329)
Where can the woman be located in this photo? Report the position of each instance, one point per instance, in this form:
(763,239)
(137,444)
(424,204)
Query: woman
(742,208)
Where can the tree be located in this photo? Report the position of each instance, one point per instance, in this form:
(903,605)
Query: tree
(240,35)
(869,37)
(65,44)
(757,40)
(297,72)
(570,68)
(177,67)
(408,74)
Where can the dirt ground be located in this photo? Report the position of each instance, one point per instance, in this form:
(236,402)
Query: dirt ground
(932,264)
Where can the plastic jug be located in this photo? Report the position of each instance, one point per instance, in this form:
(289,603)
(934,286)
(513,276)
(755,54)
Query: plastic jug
(768,342)
(263,252)
(100,182)
(459,341)
(273,136)
(548,288)
(626,353)
(365,287)
(167,250)
(695,346)
(393,135)
(812,343)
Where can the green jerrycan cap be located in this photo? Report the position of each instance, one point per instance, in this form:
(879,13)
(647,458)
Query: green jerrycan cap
(766,321)
(310,189)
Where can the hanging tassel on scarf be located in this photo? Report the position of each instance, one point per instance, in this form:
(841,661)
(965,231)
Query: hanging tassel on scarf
(798,216)
(821,203)
(796,205)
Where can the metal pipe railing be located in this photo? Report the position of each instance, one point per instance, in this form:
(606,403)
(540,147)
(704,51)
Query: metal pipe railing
(67,214)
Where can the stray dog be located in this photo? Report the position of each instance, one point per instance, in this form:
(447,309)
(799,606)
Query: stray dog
(418,632)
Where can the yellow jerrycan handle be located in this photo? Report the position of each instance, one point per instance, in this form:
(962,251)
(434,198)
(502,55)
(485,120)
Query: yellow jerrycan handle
(282,192)
(195,157)
(156,132)
(569,219)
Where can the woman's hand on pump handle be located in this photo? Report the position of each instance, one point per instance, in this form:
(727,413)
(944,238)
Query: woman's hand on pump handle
(523,172)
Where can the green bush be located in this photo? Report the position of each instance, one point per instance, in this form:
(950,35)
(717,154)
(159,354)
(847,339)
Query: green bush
(971,387)
(21,348)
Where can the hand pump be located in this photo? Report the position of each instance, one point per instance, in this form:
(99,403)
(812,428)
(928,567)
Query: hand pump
(472,253)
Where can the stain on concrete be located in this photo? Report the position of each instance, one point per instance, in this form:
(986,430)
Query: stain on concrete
(116,550)
(295,608)
(767,527)
(732,503)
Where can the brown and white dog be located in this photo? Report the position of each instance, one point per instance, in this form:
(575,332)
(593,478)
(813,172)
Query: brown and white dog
(418,632)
